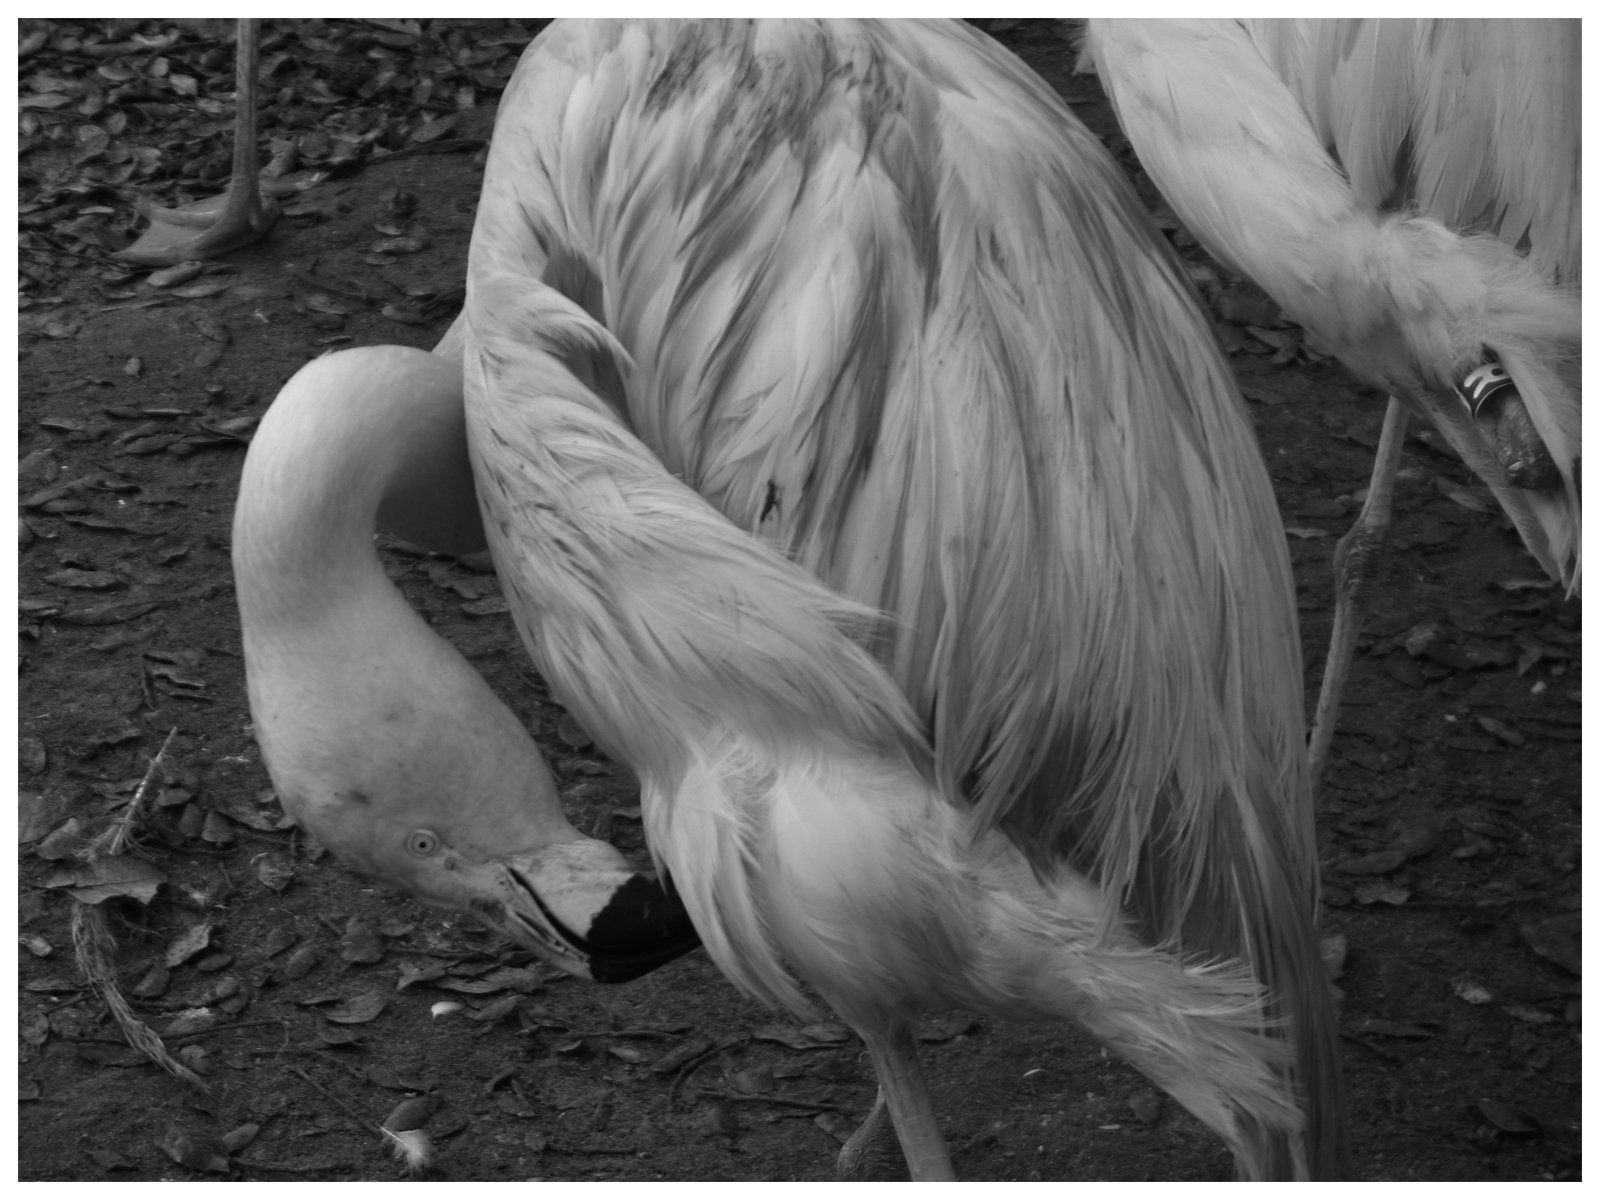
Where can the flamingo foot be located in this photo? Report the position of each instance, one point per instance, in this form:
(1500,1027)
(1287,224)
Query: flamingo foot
(205,229)
(873,1155)
(209,228)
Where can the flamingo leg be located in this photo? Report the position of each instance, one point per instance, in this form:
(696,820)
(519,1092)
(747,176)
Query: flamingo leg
(209,228)
(872,1154)
(903,1087)
(1356,562)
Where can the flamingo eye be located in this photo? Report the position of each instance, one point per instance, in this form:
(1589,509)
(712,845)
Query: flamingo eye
(422,842)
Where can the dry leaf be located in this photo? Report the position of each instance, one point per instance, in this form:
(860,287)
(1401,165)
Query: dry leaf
(359,1009)
(120,875)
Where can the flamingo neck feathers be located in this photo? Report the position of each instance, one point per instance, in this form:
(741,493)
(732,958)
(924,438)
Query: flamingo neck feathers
(365,715)
(373,437)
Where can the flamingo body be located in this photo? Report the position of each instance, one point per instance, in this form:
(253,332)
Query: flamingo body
(774,327)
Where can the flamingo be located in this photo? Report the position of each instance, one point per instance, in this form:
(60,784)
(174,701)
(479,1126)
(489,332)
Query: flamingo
(243,214)
(861,471)
(1408,192)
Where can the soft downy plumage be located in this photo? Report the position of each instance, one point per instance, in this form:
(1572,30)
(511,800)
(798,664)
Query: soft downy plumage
(1408,191)
(762,317)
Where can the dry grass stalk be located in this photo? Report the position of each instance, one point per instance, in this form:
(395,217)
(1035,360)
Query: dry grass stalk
(115,840)
(95,948)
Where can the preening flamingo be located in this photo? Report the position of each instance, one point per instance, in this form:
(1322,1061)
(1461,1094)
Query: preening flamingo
(1409,192)
(861,471)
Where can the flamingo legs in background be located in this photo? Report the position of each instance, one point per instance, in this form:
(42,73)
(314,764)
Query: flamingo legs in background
(1357,561)
(210,228)
(859,470)
(1408,192)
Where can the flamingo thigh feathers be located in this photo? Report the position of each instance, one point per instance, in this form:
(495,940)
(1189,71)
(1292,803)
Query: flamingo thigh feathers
(861,470)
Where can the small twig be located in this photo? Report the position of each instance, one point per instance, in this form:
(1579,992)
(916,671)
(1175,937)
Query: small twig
(786,1101)
(200,1033)
(257,1165)
(114,840)
(78,999)
(350,1112)
(686,1070)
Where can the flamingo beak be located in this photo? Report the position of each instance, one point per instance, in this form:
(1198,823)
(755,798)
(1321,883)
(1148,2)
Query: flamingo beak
(581,906)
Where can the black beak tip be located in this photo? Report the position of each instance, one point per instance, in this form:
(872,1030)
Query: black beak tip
(643,926)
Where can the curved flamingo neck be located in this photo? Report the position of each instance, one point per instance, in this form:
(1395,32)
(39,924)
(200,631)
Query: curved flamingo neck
(353,695)
(367,437)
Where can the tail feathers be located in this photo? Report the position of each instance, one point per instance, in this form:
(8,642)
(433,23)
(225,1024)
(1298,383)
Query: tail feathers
(1199,1031)
(1195,1030)
(1205,1032)
(1244,1039)
(1286,957)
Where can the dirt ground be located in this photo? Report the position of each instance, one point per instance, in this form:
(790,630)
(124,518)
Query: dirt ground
(307,999)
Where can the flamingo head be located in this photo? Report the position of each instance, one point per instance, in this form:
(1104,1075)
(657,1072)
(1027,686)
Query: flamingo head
(574,901)
(467,819)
